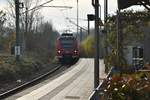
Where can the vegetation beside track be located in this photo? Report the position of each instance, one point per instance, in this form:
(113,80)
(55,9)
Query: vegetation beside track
(14,73)
(87,47)
(11,70)
(37,49)
(133,32)
(131,86)
(127,82)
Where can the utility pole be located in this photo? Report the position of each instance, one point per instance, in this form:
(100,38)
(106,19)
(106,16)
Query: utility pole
(26,27)
(105,10)
(105,23)
(88,27)
(80,34)
(117,17)
(17,47)
(77,17)
(119,36)
(95,3)
(26,21)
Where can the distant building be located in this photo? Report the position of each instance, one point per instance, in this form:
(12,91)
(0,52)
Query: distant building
(137,53)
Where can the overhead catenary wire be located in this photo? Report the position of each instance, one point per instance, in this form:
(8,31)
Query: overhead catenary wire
(67,18)
(38,7)
(70,21)
(74,23)
(69,7)
(81,19)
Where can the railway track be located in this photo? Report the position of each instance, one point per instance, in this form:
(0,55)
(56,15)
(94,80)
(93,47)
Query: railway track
(29,84)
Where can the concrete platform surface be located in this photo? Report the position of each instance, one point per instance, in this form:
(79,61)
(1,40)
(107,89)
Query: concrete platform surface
(75,84)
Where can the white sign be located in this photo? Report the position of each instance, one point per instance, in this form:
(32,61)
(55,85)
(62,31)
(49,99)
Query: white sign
(17,50)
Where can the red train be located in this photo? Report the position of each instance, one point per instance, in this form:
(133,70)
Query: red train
(67,48)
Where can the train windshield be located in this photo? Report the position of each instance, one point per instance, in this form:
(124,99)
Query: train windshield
(67,43)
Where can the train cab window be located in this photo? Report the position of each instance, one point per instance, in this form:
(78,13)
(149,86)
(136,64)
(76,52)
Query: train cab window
(67,43)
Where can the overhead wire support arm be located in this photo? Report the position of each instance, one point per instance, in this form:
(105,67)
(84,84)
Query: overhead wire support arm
(44,3)
(75,24)
(38,7)
(82,19)
(69,7)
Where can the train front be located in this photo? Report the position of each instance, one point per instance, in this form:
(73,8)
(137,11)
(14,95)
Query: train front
(67,48)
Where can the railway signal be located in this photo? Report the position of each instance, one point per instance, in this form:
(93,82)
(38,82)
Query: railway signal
(90,17)
(95,4)
(98,23)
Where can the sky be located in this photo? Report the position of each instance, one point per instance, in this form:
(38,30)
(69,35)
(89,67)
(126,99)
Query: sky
(57,16)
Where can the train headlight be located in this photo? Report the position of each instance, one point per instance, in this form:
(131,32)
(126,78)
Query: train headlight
(59,51)
(75,51)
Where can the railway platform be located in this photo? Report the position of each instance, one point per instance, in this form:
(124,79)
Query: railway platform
(76,83)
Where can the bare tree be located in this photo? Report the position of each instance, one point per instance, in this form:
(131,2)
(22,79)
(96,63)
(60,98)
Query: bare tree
(2,21)
(32,15)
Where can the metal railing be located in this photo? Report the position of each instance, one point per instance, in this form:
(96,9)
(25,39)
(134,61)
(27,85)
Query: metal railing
(96,94)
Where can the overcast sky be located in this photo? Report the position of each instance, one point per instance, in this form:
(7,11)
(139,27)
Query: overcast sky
(57,15)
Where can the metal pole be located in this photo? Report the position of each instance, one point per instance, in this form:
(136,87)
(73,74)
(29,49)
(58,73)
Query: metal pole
(26,28)
(80,34)
(88,27)
(17,29)
(77,17)
(105,23)
(96,63)
(100,33)
(105,10)
(119,37)
(100,16)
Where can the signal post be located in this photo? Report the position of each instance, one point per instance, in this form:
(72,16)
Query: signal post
(95,4)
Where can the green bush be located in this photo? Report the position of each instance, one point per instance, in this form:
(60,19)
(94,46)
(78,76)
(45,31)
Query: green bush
(12,70)
(87,47)
(135,86)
